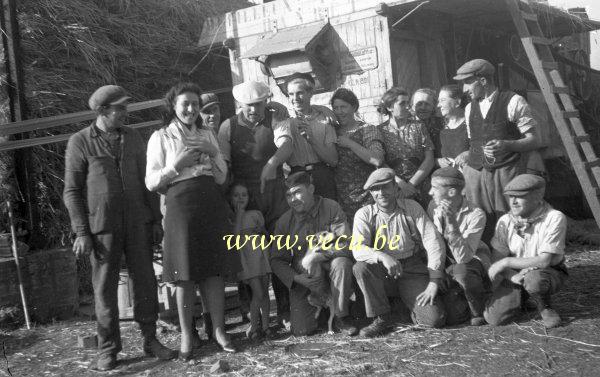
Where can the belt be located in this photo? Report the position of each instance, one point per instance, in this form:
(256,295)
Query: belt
(308,167)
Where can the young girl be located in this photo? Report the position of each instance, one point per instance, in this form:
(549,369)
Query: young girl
(255,262)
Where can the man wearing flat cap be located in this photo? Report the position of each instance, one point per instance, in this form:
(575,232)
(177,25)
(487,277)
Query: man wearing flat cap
(501,128)
(113,215)
(461,224)
(311,216)
(314,136)
(388,237)
(256,142)
(529,253)
(210,112)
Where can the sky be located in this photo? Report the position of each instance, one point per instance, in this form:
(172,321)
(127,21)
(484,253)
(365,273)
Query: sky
(593,10)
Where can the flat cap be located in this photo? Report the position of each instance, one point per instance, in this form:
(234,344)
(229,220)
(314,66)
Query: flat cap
(475,67)
(523,184)
(251,92)
(207,100)
(299,178)
(108,95)
(379,177)
(449,176)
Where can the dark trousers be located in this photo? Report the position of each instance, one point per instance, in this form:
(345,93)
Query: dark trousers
(472,278)
(376,286)
(133,241)
(485,189)
(505,303)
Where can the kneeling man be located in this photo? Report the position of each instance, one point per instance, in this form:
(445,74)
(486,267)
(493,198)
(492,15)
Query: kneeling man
(461,224)
(530,244)
(386,243)
(310,215)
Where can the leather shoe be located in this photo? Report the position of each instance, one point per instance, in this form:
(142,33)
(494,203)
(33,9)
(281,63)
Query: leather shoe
(380,326)
(106,362)
(152,347)
(185,356)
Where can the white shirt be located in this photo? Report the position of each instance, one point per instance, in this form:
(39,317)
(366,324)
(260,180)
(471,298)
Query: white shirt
(164,145)
(518,111)
(546,235)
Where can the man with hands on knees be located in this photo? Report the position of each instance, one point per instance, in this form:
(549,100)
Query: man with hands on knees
(529,253)
(113,215)
(461,224)
(309,217)
(387,241)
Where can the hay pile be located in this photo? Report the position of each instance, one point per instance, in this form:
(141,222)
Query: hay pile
(71,47)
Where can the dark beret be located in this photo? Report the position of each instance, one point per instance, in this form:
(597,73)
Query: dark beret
(108,95)
(475,67)
(451,176)
(379,177)
(299,178)
(523,184)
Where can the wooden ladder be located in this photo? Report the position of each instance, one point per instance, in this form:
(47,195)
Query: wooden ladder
(577,142)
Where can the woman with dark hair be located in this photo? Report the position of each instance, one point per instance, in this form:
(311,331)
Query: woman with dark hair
(408,146)
(453,137)
(184,163)
(360,151)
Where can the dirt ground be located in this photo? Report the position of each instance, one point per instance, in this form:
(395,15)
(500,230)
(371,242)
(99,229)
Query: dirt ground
(523,348)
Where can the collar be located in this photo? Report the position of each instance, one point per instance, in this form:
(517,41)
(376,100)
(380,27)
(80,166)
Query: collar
(491,97)
(95,131)
(313,211)
(523,224)
(312,113)
(244,122)
(400,208)
(176,129)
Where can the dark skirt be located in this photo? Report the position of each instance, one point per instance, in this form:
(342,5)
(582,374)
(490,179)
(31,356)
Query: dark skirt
(196,219)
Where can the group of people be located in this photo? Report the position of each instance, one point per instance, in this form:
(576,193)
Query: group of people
(438,211)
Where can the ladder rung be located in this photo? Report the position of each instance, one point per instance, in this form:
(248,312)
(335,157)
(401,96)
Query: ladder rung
(540,40)
(550,65)
(570,114)
(592,164)
(529,16)
(582,138)
(560,90)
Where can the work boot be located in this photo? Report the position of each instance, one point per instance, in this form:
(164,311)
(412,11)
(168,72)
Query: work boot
(346,326)
(550,317)
(380,325)
(106,361)
(152,347)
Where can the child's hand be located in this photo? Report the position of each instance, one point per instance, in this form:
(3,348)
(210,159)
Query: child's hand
(239,209)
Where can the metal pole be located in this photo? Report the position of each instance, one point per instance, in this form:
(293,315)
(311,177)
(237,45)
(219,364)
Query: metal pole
(13,233)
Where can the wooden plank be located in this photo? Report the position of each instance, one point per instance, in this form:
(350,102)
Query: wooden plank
(65,119)
(26,143)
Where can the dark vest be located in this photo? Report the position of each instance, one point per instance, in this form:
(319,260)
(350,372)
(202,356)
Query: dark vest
(495,126)
(454,141)
(251,149)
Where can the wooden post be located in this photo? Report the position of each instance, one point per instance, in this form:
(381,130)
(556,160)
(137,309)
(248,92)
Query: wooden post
(15,90)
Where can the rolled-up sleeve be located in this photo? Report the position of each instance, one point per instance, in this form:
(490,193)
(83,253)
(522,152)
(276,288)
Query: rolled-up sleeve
(499,242)
(520,113)
(282,131)
(432,240)
(553,241)
(75,180)
(158,175)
